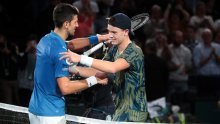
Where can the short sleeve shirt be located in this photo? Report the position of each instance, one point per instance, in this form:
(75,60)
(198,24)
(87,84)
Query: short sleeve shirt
(129,84)
(46,99)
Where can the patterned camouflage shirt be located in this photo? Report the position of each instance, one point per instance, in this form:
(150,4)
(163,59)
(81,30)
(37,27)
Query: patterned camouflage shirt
(129,85)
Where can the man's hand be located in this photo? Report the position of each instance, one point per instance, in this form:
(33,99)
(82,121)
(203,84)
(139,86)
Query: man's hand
(70,56)
(103,37)
(73,70)
(103,81)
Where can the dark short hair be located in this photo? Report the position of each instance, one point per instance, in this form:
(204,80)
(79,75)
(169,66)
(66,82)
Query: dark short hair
(63,12)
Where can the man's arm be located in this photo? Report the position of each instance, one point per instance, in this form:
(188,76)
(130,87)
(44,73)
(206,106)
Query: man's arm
(217,58)
(80,43)
(87,72)
(204,61)
(68,87)
(110,67)
(83,71)
(101,65)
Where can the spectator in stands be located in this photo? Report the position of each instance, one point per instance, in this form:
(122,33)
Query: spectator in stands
(87,15)
(201,20)
(163,49)
(179,69)
(206,57)
(104,12)
(156,22)
(9,56)
(176,18)
(26,71)
(190,38)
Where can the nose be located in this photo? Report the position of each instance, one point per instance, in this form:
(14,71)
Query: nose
(77,24)
(110,36)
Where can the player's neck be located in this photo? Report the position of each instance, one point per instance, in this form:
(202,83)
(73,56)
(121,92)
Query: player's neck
(124,45)
(61,33)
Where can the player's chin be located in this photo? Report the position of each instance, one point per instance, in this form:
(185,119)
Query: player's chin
(72,32)
(114,43)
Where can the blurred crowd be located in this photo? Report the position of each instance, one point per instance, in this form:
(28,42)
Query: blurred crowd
(181,44)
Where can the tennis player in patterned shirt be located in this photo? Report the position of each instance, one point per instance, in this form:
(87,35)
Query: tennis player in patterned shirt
(126,61)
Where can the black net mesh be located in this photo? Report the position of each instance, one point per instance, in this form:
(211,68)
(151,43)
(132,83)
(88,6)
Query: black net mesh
(12,117)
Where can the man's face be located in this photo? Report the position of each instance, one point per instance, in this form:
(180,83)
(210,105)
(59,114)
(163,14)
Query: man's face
(207,37)
(71,28)
(190,33)
(178,38)
(117,35)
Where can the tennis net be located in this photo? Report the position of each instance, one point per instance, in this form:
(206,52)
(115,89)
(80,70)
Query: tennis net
(11,114)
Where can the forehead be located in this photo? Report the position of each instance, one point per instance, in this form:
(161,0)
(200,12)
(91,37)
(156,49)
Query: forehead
(207,32)
(112,28)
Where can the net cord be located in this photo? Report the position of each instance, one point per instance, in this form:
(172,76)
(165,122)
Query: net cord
(72,118)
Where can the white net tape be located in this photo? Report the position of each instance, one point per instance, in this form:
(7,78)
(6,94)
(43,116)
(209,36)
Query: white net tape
(72,118)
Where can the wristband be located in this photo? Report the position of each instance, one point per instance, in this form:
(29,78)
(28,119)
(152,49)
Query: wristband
(85,60)
(93,40)
(91,81)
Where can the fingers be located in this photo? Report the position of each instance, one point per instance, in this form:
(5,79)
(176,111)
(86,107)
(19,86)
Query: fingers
(103,37)
(63,53)
(103,81)
(65,56)
(73,69)
(68,52)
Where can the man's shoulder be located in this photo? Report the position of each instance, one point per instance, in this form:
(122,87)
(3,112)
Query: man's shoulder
(133,48)
(47,37)
(186,49)
(199,46)
(216,45)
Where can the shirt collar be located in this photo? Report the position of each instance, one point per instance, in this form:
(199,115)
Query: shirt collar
(57,36)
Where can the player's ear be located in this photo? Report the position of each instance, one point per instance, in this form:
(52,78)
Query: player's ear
(126,32)
(66,24)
